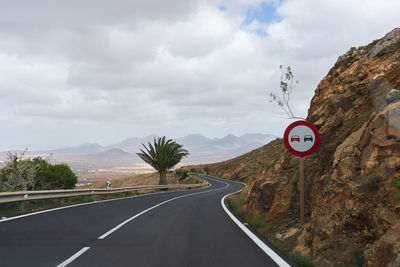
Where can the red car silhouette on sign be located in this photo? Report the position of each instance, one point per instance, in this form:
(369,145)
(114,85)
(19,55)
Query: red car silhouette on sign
(295,138)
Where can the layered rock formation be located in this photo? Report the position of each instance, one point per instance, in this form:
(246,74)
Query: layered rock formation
(351,201)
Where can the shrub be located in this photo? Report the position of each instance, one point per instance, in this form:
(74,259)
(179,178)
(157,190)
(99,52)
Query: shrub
(58,176)
(352,98)
(302,260)
(236,202)
(397,188)
(184,174)
(19,174)
(256,220)
(358,257)
(351,50)
(34,174)
(397,184)
(207,170)
(2,186)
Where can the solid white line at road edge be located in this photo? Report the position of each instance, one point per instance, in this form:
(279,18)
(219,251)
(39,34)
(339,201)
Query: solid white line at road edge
(153,207)
(275,257)
(73,257)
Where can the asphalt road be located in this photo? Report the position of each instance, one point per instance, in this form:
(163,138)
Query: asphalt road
(182,228)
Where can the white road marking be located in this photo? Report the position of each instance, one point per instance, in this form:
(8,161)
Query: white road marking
(272,254)
(153,207)
(83,250)
(82,204)
(73,257)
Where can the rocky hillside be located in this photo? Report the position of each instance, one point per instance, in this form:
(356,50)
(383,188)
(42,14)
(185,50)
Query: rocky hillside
(351,201)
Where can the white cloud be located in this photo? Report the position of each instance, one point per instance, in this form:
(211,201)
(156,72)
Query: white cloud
(75,71)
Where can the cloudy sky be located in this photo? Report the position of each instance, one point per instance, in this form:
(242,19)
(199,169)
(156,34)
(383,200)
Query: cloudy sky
(101,71)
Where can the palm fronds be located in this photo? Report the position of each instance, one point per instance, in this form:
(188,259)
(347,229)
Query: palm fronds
(163,154)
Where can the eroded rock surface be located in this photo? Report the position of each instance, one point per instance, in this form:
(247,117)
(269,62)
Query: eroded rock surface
(351,201)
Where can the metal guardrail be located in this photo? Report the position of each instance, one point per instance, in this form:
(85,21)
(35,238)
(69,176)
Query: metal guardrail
(20,196)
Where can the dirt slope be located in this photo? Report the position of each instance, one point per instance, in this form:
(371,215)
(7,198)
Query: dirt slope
(134,180)
(351,200)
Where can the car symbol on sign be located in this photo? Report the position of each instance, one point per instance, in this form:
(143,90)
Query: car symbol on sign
(308,138)
(295,138)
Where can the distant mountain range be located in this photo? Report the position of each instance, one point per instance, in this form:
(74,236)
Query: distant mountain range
(202,149)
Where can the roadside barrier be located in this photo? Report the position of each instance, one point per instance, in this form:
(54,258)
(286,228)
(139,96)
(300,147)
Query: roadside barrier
(21,196)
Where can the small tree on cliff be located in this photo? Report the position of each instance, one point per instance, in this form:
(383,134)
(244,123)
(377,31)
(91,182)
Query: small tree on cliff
(282,97)
(162,156)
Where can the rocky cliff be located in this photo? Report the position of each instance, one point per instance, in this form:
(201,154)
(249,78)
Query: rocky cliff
(351,201)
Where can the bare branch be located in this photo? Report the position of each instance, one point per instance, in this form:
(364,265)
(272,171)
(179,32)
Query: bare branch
(287,84)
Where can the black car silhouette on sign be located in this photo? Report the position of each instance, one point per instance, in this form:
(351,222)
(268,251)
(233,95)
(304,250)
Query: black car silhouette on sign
(308,138)
(295,138)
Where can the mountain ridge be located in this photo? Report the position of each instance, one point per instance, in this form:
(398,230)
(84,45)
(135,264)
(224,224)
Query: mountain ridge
(201,148)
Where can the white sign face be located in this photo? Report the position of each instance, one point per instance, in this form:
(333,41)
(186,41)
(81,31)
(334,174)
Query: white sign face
(301,138)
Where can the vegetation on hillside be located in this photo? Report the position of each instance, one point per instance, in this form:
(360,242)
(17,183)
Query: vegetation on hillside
(397,187)
(21,174)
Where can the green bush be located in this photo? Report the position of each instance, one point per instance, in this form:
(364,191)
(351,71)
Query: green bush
(352,98)
(236,202)
(301,259)
(358,257)
(397,185)
(397,188)
(2,186)
(21,174)
(178,172)
(206,170)
(255,220)
(58,176)
(184,174)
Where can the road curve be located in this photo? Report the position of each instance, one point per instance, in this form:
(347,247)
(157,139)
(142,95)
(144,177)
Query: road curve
(181,228)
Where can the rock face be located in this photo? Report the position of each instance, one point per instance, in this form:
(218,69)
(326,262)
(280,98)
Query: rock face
(351,201)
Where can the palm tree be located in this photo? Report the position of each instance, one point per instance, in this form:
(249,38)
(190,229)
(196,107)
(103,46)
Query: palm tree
(162,156)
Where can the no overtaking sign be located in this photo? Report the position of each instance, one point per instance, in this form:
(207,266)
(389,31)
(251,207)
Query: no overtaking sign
(301,138)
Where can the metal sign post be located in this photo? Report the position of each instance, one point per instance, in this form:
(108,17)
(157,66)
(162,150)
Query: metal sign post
(301,138)
(301,184)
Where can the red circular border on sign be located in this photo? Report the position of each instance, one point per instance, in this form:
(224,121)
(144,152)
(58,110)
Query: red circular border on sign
(286,138)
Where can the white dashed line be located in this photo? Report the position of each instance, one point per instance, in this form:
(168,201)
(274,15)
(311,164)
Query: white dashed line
(73,257)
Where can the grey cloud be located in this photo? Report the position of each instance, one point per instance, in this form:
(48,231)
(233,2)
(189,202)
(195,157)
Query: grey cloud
(75,12)
(170,67)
